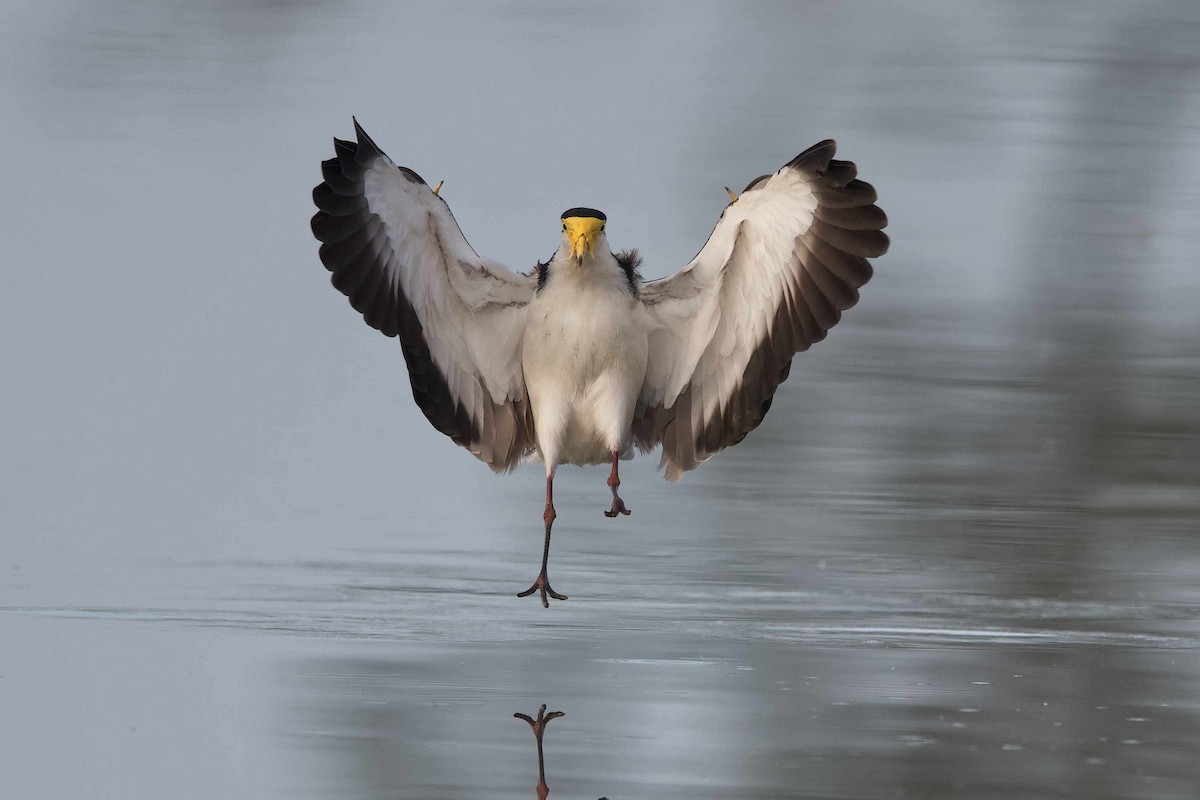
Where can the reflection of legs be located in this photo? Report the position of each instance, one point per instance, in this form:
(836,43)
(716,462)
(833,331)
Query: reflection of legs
(539,726)
(543,582)
(614,481)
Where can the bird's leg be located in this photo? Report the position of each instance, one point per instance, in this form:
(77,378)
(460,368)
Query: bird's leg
(614,481)
(543,582)
(539,727)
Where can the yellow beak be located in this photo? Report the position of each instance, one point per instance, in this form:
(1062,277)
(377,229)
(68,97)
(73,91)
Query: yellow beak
(581,245)
(583,233)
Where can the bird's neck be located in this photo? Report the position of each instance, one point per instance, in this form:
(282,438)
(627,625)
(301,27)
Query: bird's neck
(601,273)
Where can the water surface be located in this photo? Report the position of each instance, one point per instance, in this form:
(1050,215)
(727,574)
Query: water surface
(958,559)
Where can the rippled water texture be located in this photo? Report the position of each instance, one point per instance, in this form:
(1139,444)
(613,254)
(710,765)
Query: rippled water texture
(959,559)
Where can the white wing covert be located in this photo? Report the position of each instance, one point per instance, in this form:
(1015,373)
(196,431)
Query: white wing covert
(784,260)
(395,250)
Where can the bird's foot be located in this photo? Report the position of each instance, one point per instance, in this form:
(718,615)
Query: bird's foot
(618,507)
(543,584)
(539,724)
(614,483)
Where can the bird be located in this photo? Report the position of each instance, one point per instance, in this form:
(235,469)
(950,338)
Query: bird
(580,360)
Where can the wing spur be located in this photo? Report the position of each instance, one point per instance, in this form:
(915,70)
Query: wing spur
(396,251)
(783,262)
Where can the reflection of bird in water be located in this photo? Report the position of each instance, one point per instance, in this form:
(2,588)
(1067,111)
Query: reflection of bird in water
(581,359)
(539,727)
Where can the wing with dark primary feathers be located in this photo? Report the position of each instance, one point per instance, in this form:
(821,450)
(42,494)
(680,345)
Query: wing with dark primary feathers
(784,261)
(396,251)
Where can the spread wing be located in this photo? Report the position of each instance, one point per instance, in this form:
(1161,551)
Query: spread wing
(395,250)
(783,262)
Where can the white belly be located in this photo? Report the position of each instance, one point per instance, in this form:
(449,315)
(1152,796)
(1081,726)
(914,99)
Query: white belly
(584,359)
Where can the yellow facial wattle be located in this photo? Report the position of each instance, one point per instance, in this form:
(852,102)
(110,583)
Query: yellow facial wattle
(582,233)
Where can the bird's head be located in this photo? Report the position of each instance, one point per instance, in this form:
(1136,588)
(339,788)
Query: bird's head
(583,232)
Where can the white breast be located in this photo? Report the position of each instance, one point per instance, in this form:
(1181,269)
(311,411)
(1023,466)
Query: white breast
(584,358)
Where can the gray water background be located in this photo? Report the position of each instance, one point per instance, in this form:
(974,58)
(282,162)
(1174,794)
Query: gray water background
(958,559)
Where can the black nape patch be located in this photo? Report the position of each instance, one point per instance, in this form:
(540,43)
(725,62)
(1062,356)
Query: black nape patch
(584,212)
(543,274)
(630,260)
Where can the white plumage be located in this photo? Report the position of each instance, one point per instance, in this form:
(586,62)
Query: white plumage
(584,359)
(581,360)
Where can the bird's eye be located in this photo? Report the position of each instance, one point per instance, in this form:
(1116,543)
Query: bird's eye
(602,229)
(564,226)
